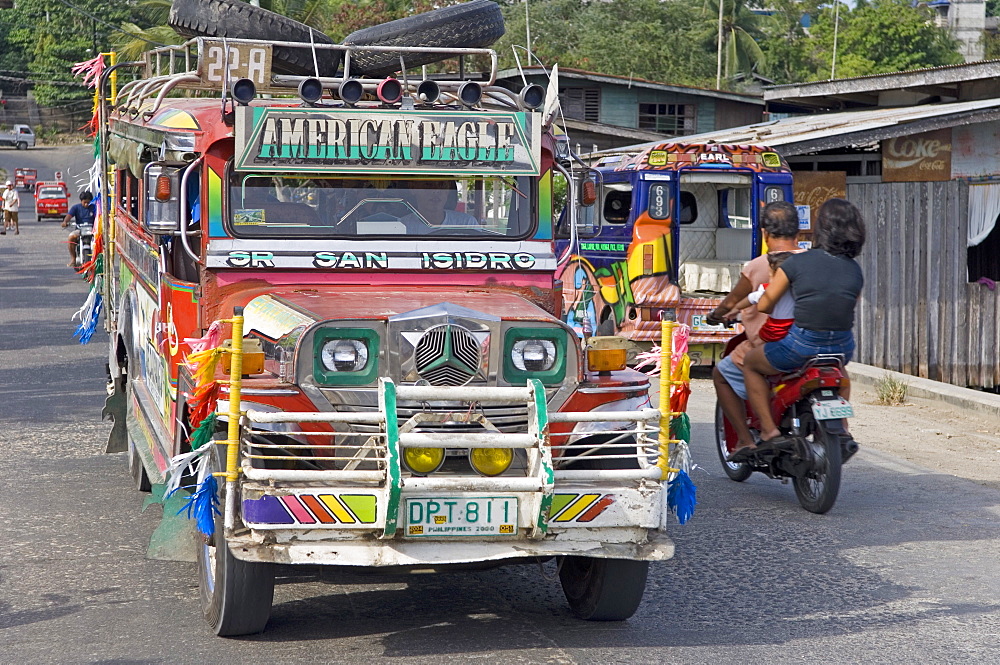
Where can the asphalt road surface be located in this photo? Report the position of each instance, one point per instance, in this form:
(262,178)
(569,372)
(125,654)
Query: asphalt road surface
(904,568)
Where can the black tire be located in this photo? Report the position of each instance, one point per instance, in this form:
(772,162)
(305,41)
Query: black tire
(240,20)
(603,589)
(21,145)
(135,467)
(475,24)
(236,595)
(735,471)
(817,491)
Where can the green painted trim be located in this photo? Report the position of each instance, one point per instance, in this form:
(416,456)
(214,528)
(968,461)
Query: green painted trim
(549,476)
(387,403)
(364,506)
(550,377)
(362,378)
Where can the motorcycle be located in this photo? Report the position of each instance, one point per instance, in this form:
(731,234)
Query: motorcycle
(85,245)
(807,406)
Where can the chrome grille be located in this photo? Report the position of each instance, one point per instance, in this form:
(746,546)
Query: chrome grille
(504,418)
(447,355)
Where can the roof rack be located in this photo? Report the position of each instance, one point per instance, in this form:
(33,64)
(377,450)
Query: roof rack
(186,66)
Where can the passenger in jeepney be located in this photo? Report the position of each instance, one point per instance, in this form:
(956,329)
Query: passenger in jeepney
(435,202)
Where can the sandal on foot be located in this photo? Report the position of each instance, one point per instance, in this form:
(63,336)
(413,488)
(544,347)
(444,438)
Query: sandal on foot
(741,454)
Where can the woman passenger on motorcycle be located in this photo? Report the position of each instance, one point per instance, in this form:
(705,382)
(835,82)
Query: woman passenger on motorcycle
(825,284)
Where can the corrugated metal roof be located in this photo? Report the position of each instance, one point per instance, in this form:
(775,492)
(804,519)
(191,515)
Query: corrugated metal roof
(823,131)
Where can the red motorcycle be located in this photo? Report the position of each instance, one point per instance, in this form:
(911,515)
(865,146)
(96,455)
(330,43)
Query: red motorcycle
(807,406)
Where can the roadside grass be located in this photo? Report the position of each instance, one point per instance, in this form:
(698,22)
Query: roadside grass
(891,391)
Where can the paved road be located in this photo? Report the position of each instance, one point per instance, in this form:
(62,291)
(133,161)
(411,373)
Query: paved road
(904,569)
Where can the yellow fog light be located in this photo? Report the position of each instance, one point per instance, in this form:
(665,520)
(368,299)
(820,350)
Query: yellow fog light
(491,461)
(423,460)
(606,354)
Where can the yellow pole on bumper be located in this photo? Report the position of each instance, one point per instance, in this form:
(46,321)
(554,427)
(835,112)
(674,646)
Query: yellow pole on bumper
(235,385)
(666,381)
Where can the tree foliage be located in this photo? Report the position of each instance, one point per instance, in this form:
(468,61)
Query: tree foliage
(672,41)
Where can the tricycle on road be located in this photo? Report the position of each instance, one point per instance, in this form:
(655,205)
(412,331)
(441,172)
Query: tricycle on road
(25,179)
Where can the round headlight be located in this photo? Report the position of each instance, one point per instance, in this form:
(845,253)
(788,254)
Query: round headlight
(423,460)
(491,461)
(533,355)
(345,355)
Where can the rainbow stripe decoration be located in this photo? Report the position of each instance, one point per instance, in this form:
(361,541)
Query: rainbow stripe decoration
(312,510)
(578,507)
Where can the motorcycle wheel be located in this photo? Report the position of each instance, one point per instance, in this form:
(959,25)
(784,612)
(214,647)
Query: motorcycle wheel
(735,471)
(817,490)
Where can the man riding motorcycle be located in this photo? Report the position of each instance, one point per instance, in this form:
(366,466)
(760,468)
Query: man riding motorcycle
(780,228)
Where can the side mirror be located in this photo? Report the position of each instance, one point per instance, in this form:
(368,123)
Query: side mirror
(163,191)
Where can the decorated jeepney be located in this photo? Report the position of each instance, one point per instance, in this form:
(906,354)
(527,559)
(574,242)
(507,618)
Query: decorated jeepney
(676,224)
(334,320)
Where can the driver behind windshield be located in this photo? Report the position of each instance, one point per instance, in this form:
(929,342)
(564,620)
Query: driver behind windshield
(435,202)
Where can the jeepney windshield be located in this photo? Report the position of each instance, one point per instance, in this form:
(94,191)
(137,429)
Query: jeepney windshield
(277,205)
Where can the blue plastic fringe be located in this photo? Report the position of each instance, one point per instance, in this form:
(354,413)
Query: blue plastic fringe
(681,496)
(203,505)
(88,320)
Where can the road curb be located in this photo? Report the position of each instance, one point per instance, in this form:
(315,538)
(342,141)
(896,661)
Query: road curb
(966,398)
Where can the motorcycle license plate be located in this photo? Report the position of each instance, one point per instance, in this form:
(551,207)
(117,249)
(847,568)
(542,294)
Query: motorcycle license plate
(832,409)
(465,516)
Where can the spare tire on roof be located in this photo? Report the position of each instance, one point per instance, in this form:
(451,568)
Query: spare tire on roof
(240,20)
(475,24)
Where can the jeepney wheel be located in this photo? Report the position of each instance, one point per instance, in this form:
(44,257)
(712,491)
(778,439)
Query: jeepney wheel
(236,595)
(603,589)
(135,467)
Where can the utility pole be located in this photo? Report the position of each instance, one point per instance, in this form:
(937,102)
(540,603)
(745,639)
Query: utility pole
(836,26)
(718,66)
(527,30)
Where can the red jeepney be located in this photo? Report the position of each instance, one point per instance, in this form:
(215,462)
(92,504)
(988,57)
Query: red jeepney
(25,178)
(51,200)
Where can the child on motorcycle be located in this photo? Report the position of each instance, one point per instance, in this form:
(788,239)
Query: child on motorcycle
(781,318)
(825,283)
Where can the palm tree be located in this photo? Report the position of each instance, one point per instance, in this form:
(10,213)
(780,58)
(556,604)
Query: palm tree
(131,46)
(739,30)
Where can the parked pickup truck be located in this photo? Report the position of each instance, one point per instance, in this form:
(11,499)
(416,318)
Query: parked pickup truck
(21,137)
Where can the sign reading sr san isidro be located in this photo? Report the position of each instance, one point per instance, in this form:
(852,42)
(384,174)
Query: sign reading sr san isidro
(354,140)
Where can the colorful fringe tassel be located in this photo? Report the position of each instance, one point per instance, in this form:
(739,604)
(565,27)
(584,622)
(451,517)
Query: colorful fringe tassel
(203,505)
(89,315)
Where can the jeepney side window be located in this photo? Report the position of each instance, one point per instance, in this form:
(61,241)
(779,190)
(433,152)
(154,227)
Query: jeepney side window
(128,193)
(735,207)
(617,203)
(689,208)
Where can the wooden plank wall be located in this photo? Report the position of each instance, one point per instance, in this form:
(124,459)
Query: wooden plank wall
(918,314)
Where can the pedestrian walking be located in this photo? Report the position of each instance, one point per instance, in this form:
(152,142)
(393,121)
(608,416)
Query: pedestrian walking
(11,203)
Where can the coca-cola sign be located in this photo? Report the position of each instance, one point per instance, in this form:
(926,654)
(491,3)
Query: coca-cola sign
(917,158)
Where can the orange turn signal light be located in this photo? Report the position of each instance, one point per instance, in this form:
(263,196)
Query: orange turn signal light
(606,354)
(163,188)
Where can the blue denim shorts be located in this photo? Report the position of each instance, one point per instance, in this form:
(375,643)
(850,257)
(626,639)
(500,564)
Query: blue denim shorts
(733,376)
(800,345)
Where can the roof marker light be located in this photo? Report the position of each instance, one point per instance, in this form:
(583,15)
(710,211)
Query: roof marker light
(244,91)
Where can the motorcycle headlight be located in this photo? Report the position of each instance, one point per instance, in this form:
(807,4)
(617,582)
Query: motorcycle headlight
(535,353)
(345,356)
